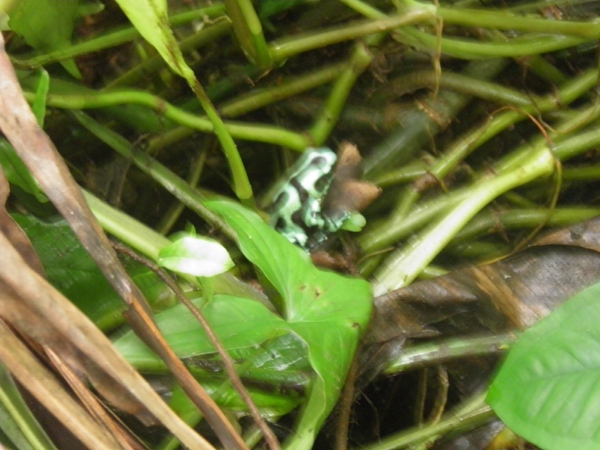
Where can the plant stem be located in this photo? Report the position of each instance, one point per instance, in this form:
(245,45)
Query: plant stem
(501,20)
(360,60)
(526,45)
(113,39)
(437,352)
(288,88)
(249,32)
(458,83)
(171,182)
(241,184)
(522,218)
(474,415)
(285,48)
(403,266)
(248,131)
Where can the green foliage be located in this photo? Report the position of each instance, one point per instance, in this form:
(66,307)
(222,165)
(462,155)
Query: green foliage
(18,427)
(73,272)
(17,173)
(46,25)
(151,19)
(547,389)
(326,310)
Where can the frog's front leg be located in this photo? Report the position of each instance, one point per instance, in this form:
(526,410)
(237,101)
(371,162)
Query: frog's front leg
(285,216)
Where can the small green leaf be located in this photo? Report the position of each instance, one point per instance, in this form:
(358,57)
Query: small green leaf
(354,223)
(39,103)
(150,18)
(547,389)
(46,25)
(197,256)
(17,172)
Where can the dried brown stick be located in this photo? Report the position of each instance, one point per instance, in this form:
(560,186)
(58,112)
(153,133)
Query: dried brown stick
(34,147)
(227,360)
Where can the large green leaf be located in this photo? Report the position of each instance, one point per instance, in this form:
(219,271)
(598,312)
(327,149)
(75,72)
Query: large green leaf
(548,389)
(257,339)
(329,311)
(238,322)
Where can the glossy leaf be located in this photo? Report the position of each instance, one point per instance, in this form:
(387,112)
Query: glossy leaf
(238,322)
(547,389)
(329,311)
(197,256)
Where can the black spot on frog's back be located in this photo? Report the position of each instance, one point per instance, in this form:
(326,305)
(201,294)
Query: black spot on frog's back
(280,201)
(302,192)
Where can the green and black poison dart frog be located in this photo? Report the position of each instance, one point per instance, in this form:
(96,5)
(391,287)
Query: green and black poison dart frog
(296,207)
(320,197)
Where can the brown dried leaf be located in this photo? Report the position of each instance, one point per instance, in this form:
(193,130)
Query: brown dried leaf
(40,312)
(347,191)
(510,294)
(34,147)
(49,392)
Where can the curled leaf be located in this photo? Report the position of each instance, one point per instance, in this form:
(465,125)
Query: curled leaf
(197,256)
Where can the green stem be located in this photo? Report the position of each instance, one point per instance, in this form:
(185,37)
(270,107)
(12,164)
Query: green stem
(19,425)
(582,173)
(168,220)
(285,48)
(383,234)
(437,352)
(405,174)
(459,83)
(469,49)
(501,20)
(252,132)
(491,221)
(288,88)
(113,39)
(241,184)
(171,182)
(360,60)
(249,32)
(474,414)
(403,266)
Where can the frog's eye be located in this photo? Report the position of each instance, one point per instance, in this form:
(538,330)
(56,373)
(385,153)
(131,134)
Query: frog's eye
(320,162)
(281,200)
